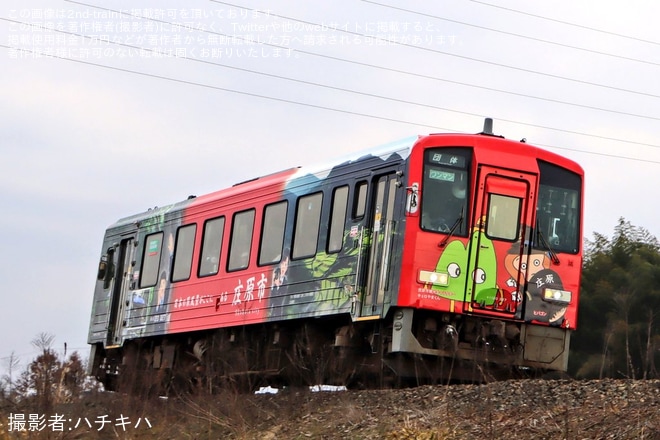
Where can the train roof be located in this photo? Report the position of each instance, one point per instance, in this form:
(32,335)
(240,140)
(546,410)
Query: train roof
(501,145)
(317,171)
(312,173)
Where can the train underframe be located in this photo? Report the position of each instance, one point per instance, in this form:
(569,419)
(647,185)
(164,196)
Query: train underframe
(409,347)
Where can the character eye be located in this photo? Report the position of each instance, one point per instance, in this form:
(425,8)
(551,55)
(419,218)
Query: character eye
(537,262)
(523,266)
(479,276)
(454,270)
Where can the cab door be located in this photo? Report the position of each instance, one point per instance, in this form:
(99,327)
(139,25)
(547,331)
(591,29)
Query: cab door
(499,247)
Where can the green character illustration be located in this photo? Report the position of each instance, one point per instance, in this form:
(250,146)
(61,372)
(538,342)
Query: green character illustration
(453,261)
(482,270)
(484,275)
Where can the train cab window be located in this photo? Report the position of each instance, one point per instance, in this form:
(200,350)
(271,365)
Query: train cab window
(557,213)
(272,233)
(337,219)
(503,220)
(209,260)
(445,190)
(153,247)
(306,229)
(183,252)
(241,240)
(360,201)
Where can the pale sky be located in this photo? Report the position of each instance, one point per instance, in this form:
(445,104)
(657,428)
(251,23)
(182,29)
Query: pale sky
(117,113)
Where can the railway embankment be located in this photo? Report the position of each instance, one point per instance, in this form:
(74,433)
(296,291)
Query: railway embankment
(516,409)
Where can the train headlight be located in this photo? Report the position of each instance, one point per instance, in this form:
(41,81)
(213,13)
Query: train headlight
(437,278)
(557,295)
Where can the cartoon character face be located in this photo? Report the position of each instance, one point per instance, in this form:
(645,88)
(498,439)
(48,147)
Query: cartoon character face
(453,260)
(482,270)
(537,262)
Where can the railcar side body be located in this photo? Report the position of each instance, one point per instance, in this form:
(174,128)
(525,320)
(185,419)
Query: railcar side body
(395,263)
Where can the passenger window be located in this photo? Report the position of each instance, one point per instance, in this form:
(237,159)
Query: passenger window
(337,219)
(360,201)
(241,240)
(153,247)
(272,233)
(209,262)
(183,252)
(503,217)
(306,229)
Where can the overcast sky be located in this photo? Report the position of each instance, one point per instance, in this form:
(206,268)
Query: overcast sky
(105,113)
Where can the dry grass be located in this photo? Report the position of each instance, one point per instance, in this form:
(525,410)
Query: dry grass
(509,410)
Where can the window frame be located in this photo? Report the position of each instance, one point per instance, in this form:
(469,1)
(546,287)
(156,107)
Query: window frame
(147,260)
(337,221)
(438,200)
(186,252)
(360,196)
(240,243)
(209,252)
(300,248)
(492,218)
(278,242)
(554,178)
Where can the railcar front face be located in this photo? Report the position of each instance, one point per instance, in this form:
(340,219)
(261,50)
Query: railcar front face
(493,242)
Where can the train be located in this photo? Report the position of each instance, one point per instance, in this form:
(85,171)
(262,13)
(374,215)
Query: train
(439,257)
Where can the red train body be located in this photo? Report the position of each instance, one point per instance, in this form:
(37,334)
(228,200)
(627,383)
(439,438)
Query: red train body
(414,260)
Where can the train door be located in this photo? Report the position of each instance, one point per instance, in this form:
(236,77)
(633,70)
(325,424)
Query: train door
(122,262)
(499,246)
(376,247)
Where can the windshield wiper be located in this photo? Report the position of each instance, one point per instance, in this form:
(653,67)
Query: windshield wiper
(544,242)
(458,222)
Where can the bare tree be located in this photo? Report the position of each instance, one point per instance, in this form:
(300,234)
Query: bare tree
(624,300)
(12,365)
(42,371)
(7,383)
(649,366)
(606,348)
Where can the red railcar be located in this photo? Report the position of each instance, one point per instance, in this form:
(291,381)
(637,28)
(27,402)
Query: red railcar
(421,259)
